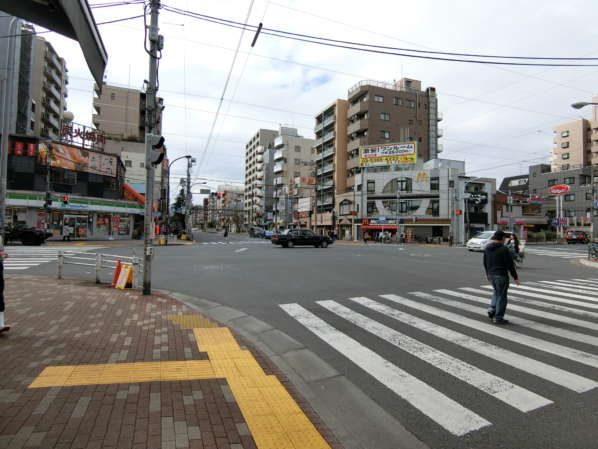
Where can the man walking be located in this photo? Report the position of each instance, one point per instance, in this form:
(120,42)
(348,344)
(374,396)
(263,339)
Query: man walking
(3,255)
(498,263)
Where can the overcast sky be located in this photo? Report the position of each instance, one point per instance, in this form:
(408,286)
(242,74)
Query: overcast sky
(498,119)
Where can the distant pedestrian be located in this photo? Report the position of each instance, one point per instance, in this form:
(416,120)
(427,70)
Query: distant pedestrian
(3,255)
(225,231)
(366,237)
(498,263)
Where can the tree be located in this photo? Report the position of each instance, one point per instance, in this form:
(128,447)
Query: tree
(178,218)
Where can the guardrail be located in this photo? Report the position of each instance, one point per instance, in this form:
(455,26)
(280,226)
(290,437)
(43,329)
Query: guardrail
(593,251)
(100,262)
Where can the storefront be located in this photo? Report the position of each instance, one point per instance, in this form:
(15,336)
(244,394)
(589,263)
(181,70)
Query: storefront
(87,218)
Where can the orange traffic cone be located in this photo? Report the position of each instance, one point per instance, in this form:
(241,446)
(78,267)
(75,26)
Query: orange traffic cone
(116,273)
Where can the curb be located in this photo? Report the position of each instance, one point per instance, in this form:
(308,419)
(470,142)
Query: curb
(336,399)
(588,263)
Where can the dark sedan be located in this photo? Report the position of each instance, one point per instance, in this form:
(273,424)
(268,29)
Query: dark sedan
(300,237)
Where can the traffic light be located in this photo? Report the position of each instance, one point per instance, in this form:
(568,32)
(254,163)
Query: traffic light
(158,149)
(65,200)
(458,212)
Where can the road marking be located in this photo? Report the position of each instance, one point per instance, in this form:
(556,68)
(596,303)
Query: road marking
(441,409)
(520,297)
(565,286)
(499,388)
(541,327)
(240,250)
(552,292)
(582,357)
(537,368)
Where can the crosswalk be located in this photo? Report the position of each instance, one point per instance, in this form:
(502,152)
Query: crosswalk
(240,242)
(24,257)
(563,253)
(553,337)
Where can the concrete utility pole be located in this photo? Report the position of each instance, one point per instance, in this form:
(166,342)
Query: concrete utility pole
(188,202)
(155,41)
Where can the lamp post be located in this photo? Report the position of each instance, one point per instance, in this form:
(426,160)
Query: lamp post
(166,198)
(580,105)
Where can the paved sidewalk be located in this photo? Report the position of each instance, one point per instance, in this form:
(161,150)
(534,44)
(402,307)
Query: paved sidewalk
(93,367)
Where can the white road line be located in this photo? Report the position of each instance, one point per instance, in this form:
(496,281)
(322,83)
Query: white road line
(16,268)
(240,250)
(518,297)
(540,327)
(441,409)
(537,368)
(566,286)
(499,388)
(582,357)
(584,281)
(551,298)
(552,292)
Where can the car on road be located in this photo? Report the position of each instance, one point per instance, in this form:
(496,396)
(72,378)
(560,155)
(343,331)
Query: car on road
(576,237)
(268,234)
(479,241)
(26,235)
(300,237)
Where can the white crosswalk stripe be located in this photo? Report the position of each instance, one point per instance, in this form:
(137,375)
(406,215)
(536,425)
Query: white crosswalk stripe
(23,258)
(565,319)
(563,253)
(239,242)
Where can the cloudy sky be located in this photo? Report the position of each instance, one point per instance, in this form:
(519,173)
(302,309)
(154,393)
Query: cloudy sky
(498,119)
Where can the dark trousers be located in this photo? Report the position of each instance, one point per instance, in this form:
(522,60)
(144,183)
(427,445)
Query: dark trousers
(498,305)
(1,287)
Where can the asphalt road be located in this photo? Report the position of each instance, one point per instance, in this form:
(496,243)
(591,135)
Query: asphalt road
(448,376)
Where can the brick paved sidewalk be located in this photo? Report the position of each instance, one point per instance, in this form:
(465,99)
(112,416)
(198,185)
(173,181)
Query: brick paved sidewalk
(93,367)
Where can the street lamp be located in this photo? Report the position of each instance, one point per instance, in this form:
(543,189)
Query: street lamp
(579,105)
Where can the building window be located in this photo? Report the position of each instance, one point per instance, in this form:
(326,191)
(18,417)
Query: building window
(570,197)
(570,180)
(297,149)
(384,116)
(434,208)
(565,134)
(385,134)
(565,167)
(434,184)
(128,164)
(113,96)
(297,161)
(589,196)
(551,182)
(565,156)
(371,186)
(451,184)
(411,104)
(564,144)
(345,207)
(378,98)
(141,164)
(296,174)
(372,208)
(397,101)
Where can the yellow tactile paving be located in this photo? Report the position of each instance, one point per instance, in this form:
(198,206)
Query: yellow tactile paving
(191,321)
(272,415)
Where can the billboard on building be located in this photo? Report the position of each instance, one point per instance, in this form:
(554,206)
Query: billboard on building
(79,159)
(388,154)
(303,207)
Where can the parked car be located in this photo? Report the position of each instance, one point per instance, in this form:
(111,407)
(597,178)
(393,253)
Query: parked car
(300,237)
(268,234)
(576,237)
(256,231)
(26,235)
(479,241)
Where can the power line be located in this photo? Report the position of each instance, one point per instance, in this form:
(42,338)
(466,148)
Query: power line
(364,47)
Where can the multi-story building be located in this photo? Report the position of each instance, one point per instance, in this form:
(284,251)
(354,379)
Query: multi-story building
(232,206)
(575,143)
(259,151)
(374,113)
(292,159)
(40,78)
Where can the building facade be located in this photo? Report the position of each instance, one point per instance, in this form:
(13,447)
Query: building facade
(232,202)
(258,192)
(292,159)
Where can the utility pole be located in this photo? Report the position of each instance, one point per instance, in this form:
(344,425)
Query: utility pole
(155,41)
(190,162)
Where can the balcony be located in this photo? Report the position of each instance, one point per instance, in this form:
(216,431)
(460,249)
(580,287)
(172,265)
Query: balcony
(328,199)
(328,136)
(439,117)
(326,153)
(49,118)
(259,176)
(52,90)
(318,142)
(53,76)
(52,105)
(278,142)
(278,167)
(360,106)
(95,119)
(327,121)
(325,185)
(327,168)
(357,125)
(278,155)
(279,181)
(440,132)
(440,148)
(259,150)
(318,127)
(259,159)
(259,167)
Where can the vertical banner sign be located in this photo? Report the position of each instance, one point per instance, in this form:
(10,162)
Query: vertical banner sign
(19,148)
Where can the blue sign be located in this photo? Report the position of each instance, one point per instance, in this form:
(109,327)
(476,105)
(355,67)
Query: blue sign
(596,205)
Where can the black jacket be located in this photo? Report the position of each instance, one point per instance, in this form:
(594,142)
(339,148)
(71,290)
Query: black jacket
(498,260)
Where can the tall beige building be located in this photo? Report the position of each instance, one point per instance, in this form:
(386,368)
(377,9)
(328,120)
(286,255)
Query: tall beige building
(575,143)
(259,152)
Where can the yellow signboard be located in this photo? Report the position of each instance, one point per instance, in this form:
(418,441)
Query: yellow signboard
(388,154)
(125,278)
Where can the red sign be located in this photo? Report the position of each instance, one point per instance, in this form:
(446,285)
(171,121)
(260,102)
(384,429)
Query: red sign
(559,189)
(31,149)
(19,147)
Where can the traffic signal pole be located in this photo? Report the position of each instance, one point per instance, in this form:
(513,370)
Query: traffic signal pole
(150,128)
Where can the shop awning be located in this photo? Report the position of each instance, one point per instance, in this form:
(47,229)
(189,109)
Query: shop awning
(389,227)
(71,18)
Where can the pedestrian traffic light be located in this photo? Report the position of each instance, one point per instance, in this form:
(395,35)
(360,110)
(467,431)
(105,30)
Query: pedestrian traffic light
(65,200)
(158,150)
(458,212)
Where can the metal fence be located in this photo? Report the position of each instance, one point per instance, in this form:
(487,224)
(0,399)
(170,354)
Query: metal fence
(99,262)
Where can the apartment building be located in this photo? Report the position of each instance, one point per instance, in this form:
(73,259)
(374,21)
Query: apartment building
(40,78)
(575,143)
(292,159)
(374,113)
(232,206)
(259,154)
